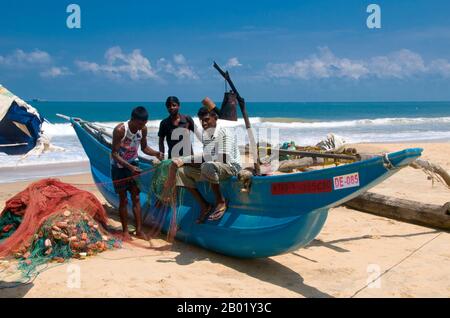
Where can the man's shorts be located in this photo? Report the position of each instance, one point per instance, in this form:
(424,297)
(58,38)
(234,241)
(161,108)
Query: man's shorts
(123,179)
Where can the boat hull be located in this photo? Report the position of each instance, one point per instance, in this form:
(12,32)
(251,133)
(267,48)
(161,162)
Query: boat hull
(280,214)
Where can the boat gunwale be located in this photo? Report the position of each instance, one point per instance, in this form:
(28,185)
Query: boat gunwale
(405,153)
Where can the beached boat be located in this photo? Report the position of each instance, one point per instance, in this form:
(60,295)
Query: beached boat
(20,124)
(281,213)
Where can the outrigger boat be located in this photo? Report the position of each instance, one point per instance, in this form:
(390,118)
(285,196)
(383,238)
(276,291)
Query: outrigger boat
(280,213)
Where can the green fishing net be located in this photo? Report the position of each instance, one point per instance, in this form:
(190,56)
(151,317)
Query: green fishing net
(167,201)
(9,222)
(64,235)
(159,179)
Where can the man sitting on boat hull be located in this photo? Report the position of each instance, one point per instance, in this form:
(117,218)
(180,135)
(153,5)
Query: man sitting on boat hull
(127,137)
(220,160)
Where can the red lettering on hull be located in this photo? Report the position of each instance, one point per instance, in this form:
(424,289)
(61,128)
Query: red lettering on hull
(313,186)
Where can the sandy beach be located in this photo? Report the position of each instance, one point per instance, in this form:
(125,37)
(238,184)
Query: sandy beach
(352,249)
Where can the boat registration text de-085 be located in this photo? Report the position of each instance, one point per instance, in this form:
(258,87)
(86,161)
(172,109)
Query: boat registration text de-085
(346,181)
(316,186)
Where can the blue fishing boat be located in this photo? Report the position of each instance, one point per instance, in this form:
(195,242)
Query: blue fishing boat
(281,213)
(20,124)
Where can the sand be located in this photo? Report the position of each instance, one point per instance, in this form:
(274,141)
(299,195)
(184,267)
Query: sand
(352,250)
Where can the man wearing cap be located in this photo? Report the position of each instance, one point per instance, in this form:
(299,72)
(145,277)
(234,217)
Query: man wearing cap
(219,161)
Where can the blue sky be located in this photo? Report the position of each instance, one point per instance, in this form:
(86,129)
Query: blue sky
(275,51)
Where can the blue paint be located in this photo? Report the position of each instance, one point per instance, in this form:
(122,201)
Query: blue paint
(10,134)
(257,224)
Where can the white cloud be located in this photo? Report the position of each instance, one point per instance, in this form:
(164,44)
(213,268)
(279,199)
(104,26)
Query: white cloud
(36,60)
(441,67)
(21,58)
(179,59)
(118,64)
(399,64)
(54,72)
(233,62)
(88,66)
(323,65)
(179,68)
(137,67)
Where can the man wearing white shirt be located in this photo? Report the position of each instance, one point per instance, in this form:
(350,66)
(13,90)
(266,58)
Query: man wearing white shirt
(220,160)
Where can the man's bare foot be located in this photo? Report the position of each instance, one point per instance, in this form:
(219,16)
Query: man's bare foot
(126,237)
(141,235)
(218,211)
(204,213)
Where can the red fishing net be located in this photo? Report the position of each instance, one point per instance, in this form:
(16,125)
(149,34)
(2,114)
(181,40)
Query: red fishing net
(40,201)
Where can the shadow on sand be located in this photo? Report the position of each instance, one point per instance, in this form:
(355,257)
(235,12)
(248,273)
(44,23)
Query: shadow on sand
(14,289)
(265,269)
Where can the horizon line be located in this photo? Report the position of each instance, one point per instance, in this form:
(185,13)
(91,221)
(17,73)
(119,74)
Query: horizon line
(247,101)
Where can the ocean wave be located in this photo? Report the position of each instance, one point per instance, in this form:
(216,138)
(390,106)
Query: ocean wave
(66,129)
(404,121)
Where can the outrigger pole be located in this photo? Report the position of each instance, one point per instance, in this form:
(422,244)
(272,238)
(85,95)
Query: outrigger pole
(241,101)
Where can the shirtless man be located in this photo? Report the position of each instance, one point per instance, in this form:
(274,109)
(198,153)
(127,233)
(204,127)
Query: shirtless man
(127,137)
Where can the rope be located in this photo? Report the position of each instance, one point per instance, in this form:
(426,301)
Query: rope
(395,265)
(387,163)
(115,181)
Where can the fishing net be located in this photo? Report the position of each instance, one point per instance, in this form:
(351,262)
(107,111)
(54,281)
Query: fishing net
(166,201)
(67,234)
(160,175)
(9,222)
(53,221)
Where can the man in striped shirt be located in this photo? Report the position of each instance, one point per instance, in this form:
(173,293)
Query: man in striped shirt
(219,161)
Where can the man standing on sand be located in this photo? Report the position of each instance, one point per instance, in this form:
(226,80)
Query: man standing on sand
(220,160)
(175,129)
(127,137)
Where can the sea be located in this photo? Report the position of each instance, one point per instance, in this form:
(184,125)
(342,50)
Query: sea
(305,123)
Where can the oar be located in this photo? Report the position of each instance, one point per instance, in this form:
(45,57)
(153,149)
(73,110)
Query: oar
(248,126)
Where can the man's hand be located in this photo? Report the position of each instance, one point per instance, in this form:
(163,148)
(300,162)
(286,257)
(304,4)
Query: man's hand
(177,162)
(135,170)
(160,155)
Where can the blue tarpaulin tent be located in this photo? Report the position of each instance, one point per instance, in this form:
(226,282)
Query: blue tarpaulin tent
(20,124)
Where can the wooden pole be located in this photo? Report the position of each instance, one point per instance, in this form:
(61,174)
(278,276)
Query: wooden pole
(430,167)
(241,101)
(14,145)
(414,212)
(312,154)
